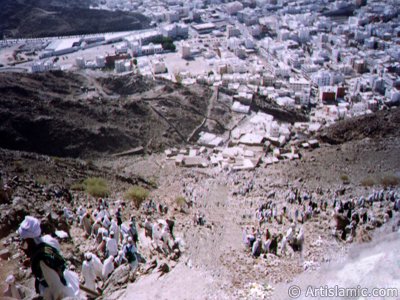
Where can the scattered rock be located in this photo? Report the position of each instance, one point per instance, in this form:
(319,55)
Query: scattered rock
(163,268)
(5,254)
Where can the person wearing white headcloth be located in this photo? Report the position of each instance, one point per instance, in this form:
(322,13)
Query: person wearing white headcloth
(96,264)
(68,214)
(106,222)
(120,259)
(101,234)
(52,280)
(101,213)
(115,228)
(30,229)
(111,245)
(124,231)
(87,223)
(108,267)
(80,212)
(88,272)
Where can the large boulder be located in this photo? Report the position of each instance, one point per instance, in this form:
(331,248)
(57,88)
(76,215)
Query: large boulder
(118,279)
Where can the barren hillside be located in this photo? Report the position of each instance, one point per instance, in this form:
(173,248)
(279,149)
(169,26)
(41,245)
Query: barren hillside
(83,118)
(66,114)
(27,18)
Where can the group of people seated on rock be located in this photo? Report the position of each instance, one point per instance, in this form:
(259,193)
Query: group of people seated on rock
(275,243)
(371,211)
(113,242)
(117,242)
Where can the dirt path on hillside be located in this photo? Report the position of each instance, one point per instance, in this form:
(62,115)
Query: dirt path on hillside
(202,272)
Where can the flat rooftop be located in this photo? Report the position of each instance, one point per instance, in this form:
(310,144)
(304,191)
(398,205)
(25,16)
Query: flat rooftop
(205,26)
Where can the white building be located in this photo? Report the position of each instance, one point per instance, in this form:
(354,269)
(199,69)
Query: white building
(186,51)
(172,16)
(175,30)
(100,61)
(233,7)
(285,101)
(120,66)
(232,31)
(136,48)
(392,94)
(233,43)
(40,66)
(151,49)
(281,70)
(304,35)
(298,85)
(322,78)
(80,62)
(249,44)
(159,67)
(121,48)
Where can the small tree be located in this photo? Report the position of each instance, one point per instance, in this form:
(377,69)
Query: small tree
(367,182)
(389,180)
(178,78)
(137,194)
(345,178)
(180,201)
(97,187)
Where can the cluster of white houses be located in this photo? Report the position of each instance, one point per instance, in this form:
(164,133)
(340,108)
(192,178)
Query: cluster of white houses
(288,52)
(260,141)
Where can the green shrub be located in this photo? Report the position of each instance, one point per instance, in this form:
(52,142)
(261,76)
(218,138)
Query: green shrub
(89,164)
(42,180)
(19,167)
(78,186)
(345,178)
(390,180)
(178,78)
(97,187)
(367,182)
(153,182)
(180,201)
(57,159)
(137,194)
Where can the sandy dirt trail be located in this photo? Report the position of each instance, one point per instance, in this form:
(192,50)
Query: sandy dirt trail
(202,272)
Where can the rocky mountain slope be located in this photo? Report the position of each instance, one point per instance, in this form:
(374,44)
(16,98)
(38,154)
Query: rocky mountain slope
(27,18)
(59,129)
(66,114)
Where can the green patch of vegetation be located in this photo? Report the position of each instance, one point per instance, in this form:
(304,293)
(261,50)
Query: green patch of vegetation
(96,187)
(89,164)
(367,182)
(153,182)
(389,180)
(180,201)
(137,194)
(178,78)
(42,180)
(167,43)
(19,167)
(78,186)
(56,159)
(345,178)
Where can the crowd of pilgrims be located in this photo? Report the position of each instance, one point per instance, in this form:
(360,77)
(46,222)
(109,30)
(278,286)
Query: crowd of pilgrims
(348,216)
(117,242)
